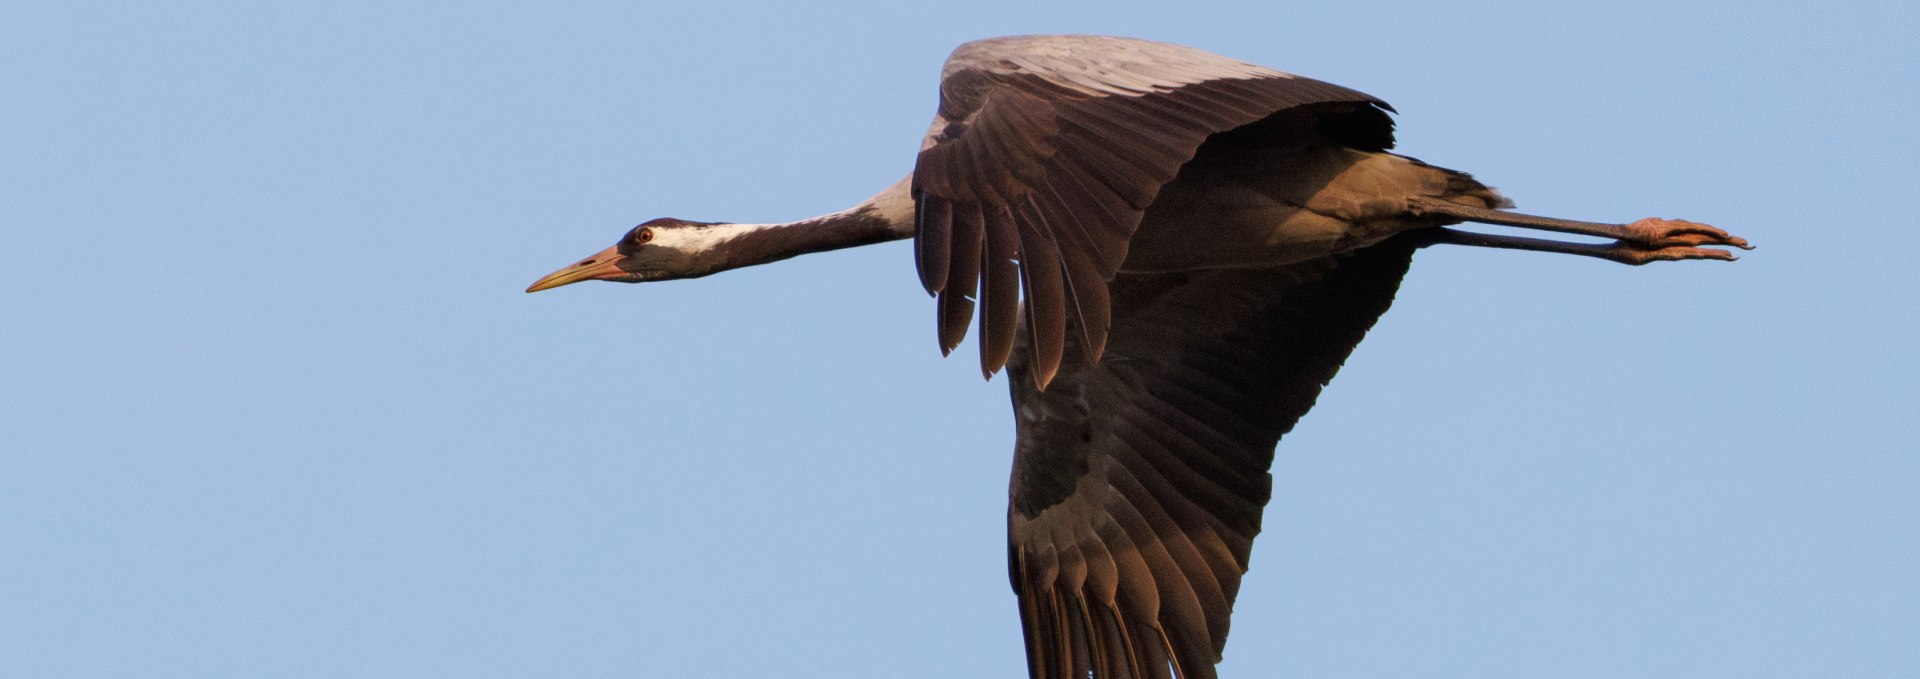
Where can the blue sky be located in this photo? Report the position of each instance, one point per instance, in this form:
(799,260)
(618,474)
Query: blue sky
(272,402)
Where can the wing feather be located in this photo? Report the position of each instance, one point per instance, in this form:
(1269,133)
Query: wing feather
(1139,480)
(1046,291)
(1000,290)
(1088,125)
(933,242)
(956,299)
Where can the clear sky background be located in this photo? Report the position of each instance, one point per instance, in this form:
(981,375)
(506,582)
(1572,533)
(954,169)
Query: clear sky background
(273,404)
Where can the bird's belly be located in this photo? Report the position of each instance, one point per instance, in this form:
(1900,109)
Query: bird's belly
(1276,208)
(1245,231)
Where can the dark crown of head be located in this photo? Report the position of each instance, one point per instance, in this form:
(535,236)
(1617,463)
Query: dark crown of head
(670,221)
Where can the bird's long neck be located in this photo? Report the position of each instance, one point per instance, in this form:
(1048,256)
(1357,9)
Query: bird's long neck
(886,216)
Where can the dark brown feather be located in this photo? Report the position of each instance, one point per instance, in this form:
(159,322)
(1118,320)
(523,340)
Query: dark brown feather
(1090,302)
(1166,452)
(1009,138)
(932,242)
(1000,290)
(963,281)
(1046,293)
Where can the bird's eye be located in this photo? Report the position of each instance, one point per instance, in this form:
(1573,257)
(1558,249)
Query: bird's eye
(643,236)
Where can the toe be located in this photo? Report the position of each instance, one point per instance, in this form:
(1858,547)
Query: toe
(1654,232)
(1675,254)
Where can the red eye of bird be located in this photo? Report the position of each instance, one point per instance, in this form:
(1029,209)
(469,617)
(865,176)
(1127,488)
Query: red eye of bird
(643,236)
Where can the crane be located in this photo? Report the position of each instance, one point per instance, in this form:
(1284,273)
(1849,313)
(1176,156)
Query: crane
(1170,252)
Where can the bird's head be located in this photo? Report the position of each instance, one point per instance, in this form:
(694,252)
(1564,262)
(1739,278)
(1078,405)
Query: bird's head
(658,250)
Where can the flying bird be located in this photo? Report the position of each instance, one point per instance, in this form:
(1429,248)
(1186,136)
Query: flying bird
(1170,252)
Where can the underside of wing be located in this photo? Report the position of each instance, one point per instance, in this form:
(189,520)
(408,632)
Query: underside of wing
(1139,481)
(1044,155)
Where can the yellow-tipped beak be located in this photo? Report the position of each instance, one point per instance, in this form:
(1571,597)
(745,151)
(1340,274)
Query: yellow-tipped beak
(603,264)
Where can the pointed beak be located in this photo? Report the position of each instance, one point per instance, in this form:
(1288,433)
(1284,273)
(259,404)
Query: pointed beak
(603,264)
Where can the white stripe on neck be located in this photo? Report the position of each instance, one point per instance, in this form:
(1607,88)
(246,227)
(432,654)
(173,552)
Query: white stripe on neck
(701,238)
(893,206)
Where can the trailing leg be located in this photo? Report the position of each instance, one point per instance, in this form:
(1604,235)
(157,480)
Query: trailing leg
(1621,251)
(1647,240)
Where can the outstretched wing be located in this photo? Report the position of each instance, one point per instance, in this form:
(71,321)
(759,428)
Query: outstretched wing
(1044,155)
(1138,481)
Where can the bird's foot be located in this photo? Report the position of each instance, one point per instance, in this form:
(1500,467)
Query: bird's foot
(1656,234)
(1630,253)
(1671,240)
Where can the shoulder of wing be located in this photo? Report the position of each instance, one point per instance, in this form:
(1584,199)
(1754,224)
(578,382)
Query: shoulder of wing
(1097,65)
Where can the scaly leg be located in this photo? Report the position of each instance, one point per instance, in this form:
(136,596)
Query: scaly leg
(1647,240)
(1617,251)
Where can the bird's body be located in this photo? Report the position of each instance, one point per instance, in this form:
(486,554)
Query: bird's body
(1197,244)
(1231,208)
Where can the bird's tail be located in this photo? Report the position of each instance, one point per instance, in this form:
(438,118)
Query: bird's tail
(1462,189)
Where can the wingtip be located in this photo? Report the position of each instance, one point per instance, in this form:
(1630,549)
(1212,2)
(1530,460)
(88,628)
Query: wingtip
(1094,344)
(930,284)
